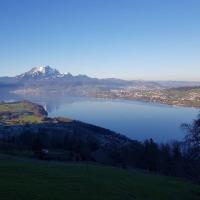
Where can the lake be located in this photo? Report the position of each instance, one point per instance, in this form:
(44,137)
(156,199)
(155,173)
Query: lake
(137,120)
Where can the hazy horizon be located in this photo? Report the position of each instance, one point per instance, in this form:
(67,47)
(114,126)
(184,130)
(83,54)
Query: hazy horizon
(98,76)
(126,39)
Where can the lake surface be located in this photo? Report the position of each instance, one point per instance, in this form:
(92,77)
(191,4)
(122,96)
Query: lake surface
(137,120)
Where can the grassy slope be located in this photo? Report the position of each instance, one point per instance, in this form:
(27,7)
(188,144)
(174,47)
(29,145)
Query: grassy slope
(34,180)
(16,107)
(26,112)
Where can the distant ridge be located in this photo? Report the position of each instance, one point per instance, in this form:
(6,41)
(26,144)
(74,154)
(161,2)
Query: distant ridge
(46,72)
(45,80)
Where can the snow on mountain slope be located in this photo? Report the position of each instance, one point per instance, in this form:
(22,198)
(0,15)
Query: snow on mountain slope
(41,72)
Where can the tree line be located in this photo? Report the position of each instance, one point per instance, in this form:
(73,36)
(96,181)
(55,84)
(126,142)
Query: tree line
(180,159)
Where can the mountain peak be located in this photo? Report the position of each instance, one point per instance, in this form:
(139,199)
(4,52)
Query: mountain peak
(44,70)
(41,71)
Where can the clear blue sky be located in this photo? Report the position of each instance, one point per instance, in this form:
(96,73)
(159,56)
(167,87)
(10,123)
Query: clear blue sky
(130,39)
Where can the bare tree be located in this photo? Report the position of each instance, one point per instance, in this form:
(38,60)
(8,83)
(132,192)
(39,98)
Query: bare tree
(193,133)
(192,139)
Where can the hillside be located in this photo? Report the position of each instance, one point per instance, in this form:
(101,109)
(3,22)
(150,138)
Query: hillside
(23,123)
(35,180)
(62,139)
(182,96)
(21,112)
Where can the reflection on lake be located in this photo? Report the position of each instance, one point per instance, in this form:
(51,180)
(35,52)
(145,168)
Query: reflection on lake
(137,120)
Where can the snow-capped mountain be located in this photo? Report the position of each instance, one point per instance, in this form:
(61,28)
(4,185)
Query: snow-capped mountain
(48,78)
(41,72)
(44,80)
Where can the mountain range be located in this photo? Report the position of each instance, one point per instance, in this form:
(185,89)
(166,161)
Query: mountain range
(45,79)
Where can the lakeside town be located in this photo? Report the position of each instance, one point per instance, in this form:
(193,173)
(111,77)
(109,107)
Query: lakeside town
(188,97)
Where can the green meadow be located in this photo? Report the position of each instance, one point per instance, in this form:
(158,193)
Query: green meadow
(26,179)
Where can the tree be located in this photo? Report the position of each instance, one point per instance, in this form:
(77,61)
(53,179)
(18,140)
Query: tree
(177,159)
(193,133)
(166,159)
(37,148)
(192,140)
(151,155)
